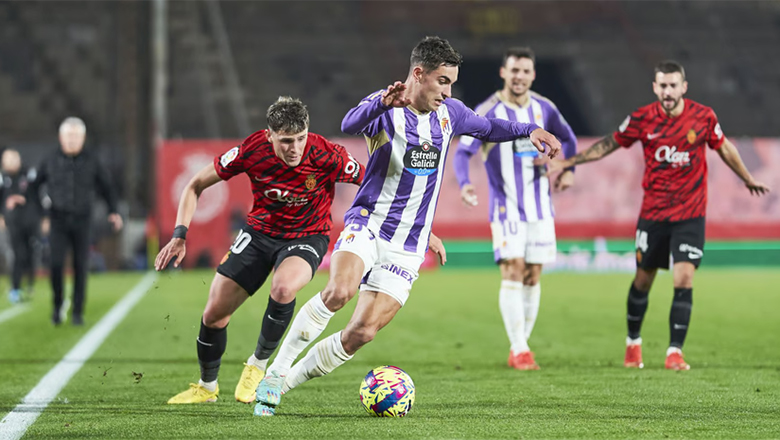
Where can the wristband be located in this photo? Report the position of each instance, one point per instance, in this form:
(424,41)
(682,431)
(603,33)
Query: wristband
(180,231)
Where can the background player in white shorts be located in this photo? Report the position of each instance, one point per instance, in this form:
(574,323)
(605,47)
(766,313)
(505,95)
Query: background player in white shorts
(521,212)
(408,128)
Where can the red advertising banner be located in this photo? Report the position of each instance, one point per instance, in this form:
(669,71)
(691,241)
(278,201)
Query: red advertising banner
(604,201)
(211,231)
(607,195)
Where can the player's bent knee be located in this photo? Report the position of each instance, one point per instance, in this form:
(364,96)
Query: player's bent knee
(336,296)
(512,270)
(643,284)
(215,320)
(643,280)
(531,279)
(683,282)
(282,293)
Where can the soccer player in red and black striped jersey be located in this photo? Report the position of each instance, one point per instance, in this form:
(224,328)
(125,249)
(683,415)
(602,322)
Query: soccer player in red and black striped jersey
(293,175)
(674,133)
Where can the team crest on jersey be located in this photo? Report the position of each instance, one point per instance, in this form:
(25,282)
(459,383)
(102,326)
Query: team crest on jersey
(229,156)
(422,160)
(445,124)
(311,182)
(691,136)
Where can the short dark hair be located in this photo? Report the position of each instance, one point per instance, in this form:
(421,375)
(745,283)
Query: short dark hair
(432,52)
(519,52)
(669,66)
(287,115)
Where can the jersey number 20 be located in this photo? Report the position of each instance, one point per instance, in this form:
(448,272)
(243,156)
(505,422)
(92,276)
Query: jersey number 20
(242,241)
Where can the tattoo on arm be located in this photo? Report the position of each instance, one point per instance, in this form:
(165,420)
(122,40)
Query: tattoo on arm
(596,151)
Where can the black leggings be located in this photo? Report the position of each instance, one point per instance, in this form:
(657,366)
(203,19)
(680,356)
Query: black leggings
(22,237)
(69,231)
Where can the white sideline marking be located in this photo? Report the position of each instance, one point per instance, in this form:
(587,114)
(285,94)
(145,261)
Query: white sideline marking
(15,424)
(11,312)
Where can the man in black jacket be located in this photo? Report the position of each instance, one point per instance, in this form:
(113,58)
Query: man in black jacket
(21,214)
(72,176)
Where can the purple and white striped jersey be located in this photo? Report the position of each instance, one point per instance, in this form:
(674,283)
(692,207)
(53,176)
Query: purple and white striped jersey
(519,191)
(407,152)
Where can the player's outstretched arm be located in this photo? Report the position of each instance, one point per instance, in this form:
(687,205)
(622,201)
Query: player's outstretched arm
(729,153)
(187,205)
(602,148)
(358,119)
(499,130)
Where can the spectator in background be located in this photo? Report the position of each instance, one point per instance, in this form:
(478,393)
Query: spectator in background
(20,213)
(72,176)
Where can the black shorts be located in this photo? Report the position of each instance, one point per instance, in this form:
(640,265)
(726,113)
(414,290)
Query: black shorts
(655,240)
(254,255)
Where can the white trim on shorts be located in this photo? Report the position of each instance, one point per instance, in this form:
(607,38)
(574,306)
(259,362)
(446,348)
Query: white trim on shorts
(533,241)
(388,267)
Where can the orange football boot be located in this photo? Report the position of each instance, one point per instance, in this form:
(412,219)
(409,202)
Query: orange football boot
(675,361)
(633,356)
(522,361)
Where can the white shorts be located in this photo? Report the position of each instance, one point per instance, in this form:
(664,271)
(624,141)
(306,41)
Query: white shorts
(533,241)
(388,267)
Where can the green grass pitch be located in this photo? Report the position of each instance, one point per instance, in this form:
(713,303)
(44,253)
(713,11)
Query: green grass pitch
(450,339)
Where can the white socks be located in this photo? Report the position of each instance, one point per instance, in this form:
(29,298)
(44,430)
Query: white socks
(510,301)
(257,362)
(637,341)
(211,386)
(531,297)
(323,358)
(307,326)
(671,350)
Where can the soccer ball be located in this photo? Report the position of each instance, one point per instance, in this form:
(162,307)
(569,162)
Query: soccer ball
(387,392)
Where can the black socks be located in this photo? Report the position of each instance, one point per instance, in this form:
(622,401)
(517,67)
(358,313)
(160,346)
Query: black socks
(211,346)
(637,306)
(275,322)
(680,316)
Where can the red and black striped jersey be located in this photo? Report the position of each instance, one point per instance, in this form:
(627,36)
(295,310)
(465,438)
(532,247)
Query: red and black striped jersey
(675,180)
(290,202)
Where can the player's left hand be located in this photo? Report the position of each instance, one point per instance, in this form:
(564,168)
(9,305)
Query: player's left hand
(116,221)
(437,247)
(540,138)
(394,96)
(756,188)
(564,181)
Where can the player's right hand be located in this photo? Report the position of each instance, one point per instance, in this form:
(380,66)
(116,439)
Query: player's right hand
(175,248)
(394,95)
(468,195)
(756,188)
(540,138)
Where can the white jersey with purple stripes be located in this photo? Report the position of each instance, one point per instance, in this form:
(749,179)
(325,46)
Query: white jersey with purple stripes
(519,190)
(408,149)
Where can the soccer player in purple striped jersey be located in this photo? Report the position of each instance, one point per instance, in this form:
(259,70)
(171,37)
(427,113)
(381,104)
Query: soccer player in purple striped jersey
(408,128)
(520,209)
